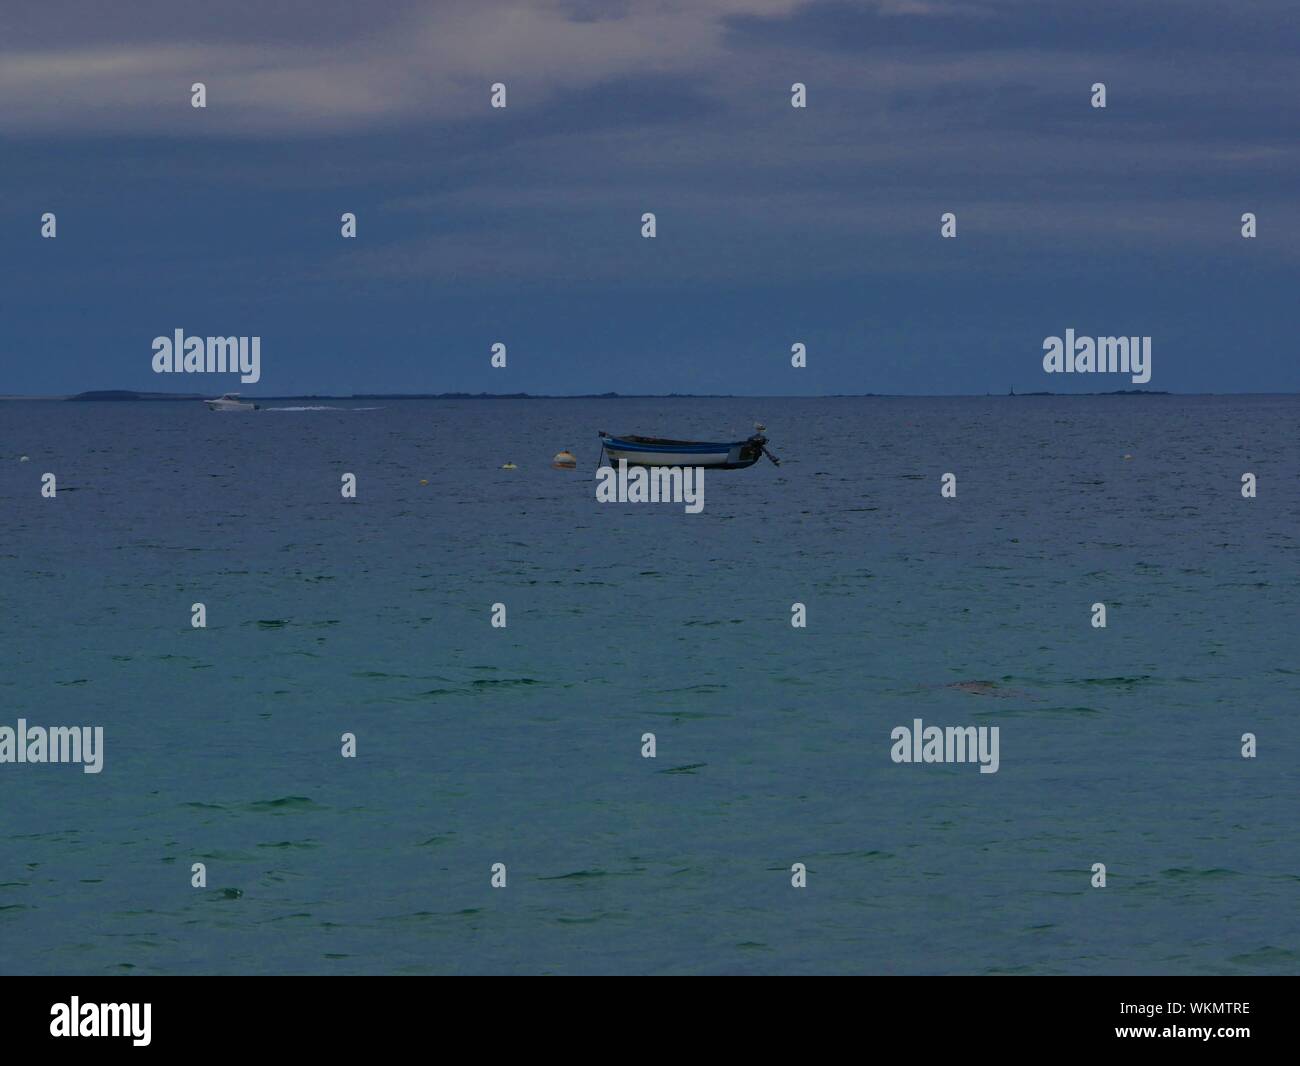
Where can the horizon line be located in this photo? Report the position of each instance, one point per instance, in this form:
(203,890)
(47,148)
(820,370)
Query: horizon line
(141,396)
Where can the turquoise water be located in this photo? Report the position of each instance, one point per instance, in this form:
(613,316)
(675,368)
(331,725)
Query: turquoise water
(522,745)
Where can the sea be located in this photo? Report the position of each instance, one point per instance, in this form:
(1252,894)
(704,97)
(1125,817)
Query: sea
(521,748)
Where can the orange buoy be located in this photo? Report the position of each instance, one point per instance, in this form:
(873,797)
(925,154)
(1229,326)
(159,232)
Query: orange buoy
(565,460)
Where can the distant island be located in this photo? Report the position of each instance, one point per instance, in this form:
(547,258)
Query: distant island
(128,395)
(1112,392)
(125,394)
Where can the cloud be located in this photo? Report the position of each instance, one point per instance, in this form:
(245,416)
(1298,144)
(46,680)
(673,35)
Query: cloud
(683,109)
(426,64)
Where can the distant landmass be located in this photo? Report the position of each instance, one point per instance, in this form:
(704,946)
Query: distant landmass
(1112,392)
(128,395)
(125,394)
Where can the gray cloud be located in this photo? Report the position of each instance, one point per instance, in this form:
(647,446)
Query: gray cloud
(683,108)
(424,63)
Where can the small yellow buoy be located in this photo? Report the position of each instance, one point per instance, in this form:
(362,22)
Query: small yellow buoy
(565,460)
(1128,457)
(423,481)
(509,466)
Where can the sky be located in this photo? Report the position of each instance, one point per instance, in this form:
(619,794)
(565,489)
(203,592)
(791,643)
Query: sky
(775,225)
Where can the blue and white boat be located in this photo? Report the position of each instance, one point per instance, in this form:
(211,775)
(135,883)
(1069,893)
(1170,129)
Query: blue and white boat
(660,451)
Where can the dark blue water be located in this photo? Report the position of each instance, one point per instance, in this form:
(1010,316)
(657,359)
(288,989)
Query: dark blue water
(523,745)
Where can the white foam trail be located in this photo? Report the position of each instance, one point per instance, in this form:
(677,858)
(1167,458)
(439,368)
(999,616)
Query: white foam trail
(323,408)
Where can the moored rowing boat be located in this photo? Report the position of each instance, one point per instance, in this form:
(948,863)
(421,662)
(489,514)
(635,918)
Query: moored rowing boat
(661,451)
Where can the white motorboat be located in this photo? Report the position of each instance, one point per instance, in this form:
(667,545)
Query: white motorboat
(230,401)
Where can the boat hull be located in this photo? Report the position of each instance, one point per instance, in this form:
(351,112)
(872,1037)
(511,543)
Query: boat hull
(649,451)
